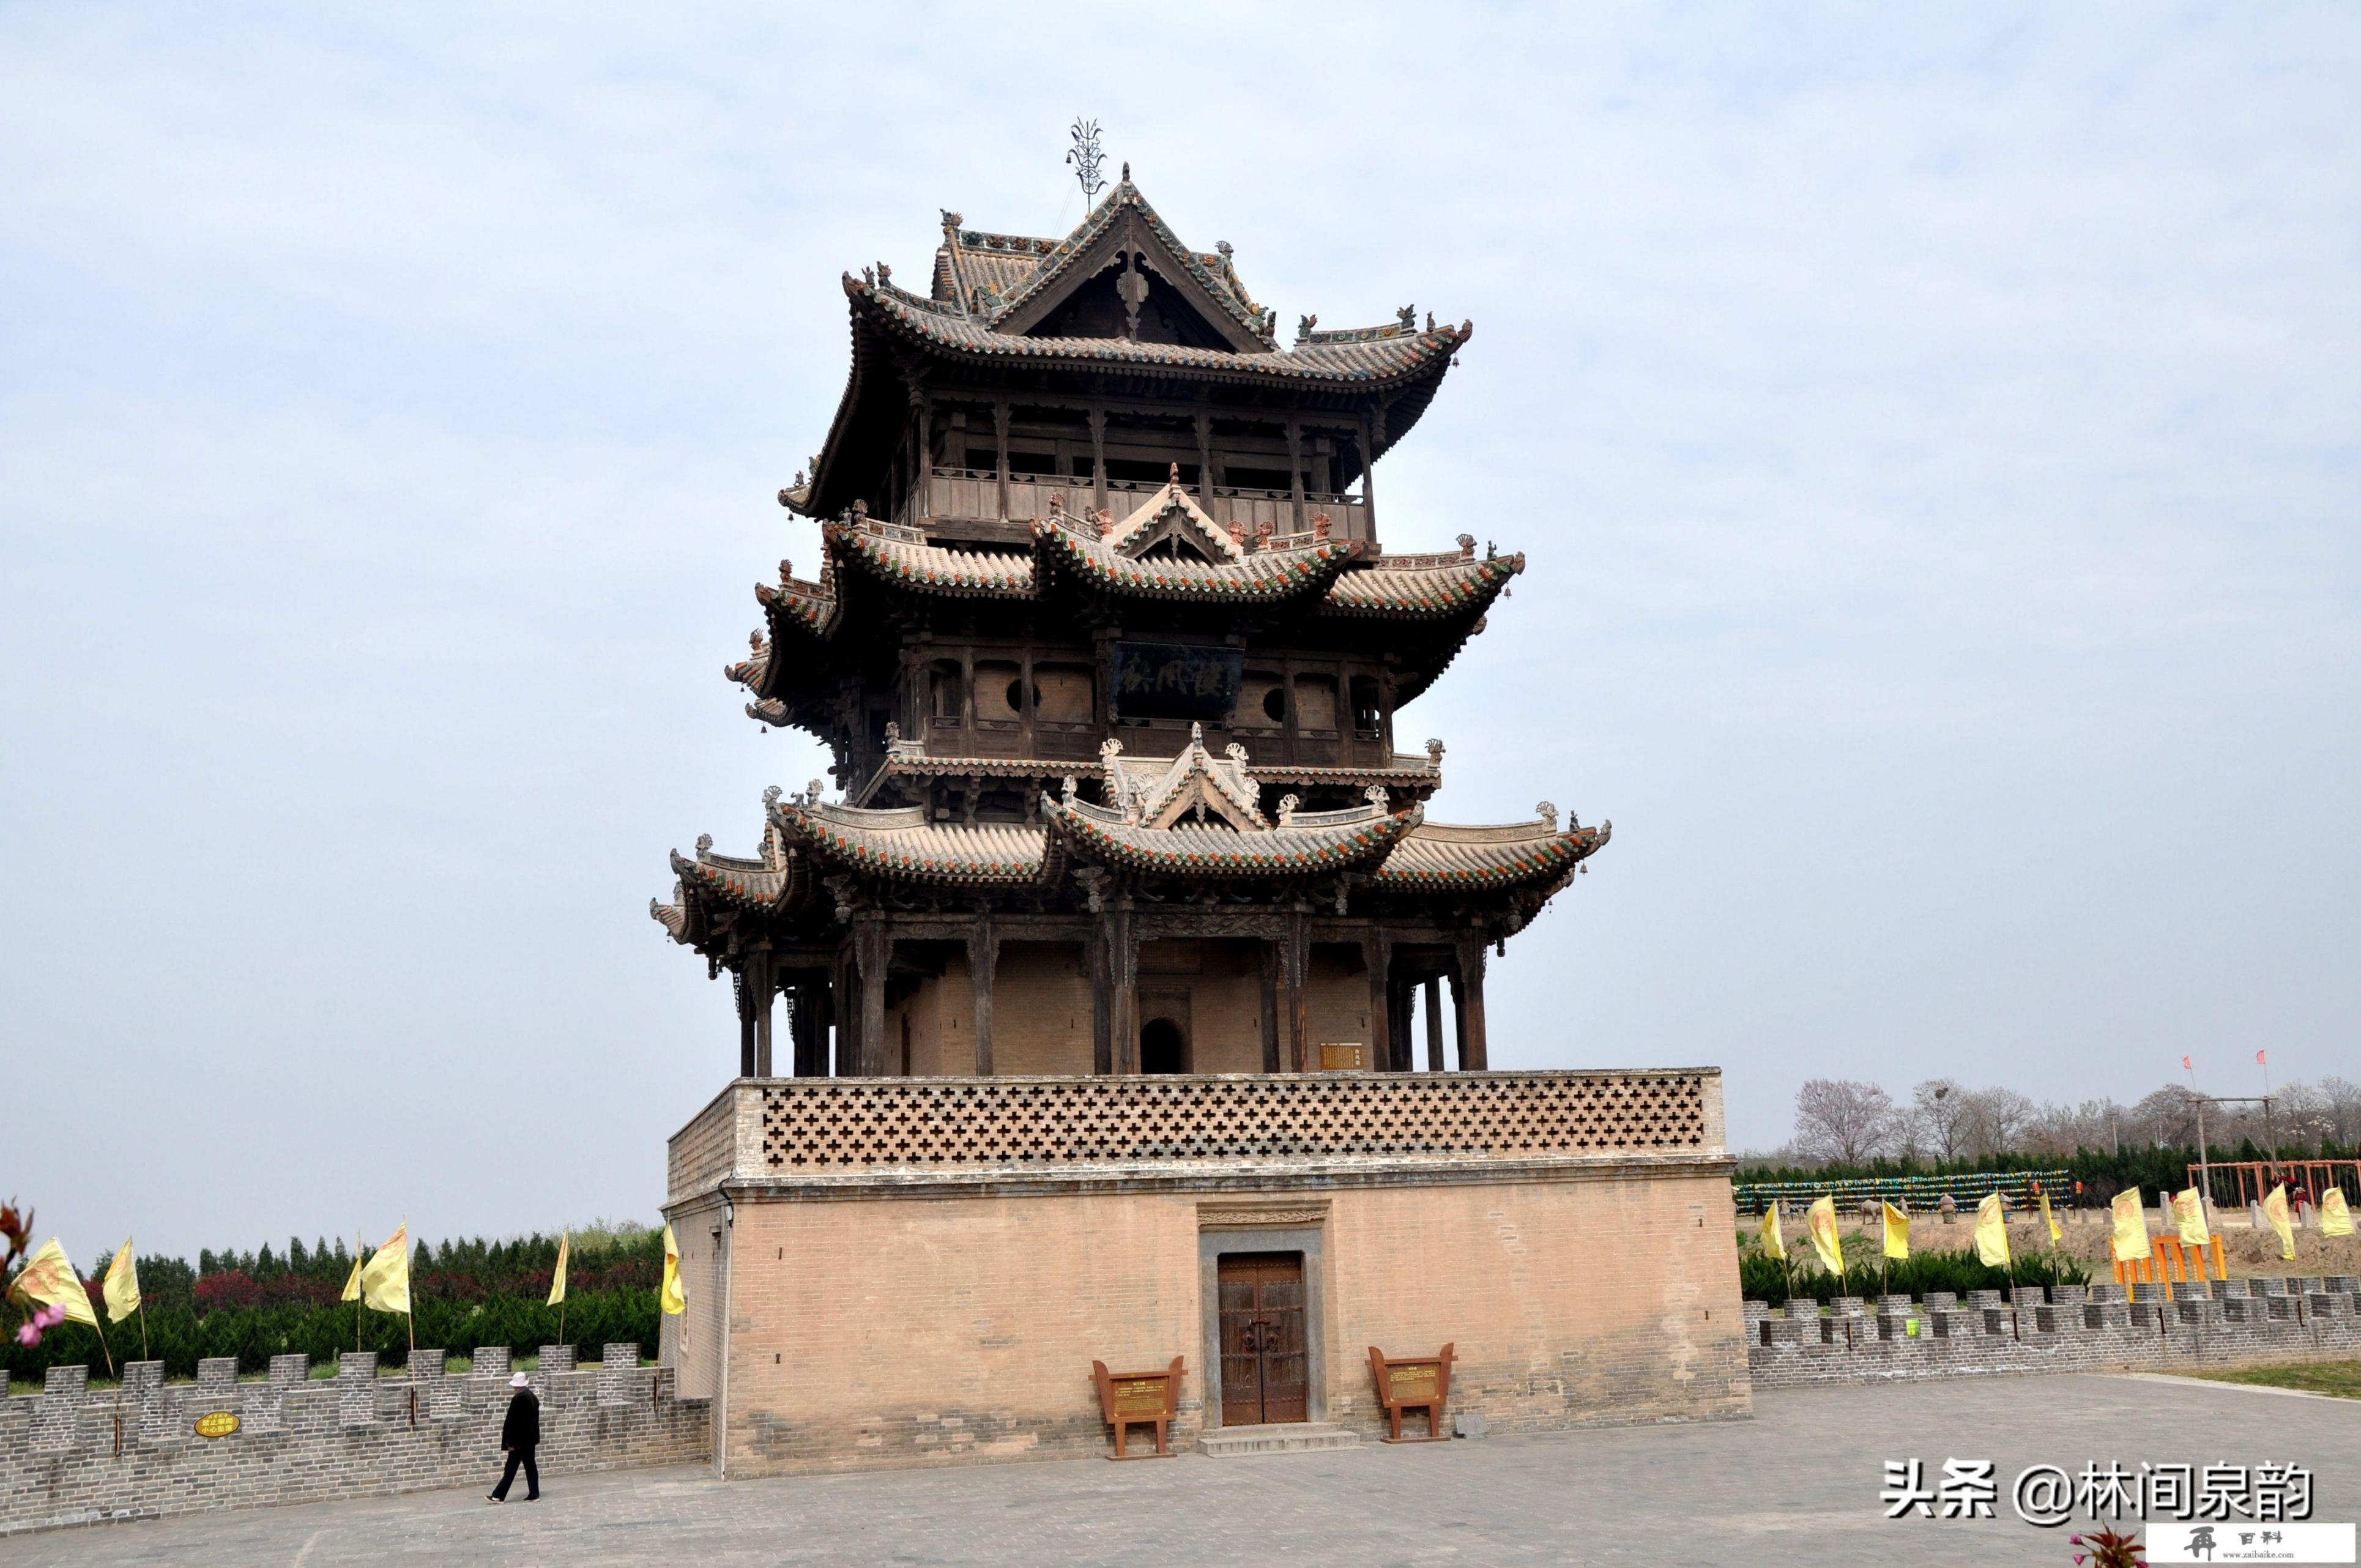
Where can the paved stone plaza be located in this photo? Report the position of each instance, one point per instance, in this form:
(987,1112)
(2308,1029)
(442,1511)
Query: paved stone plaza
(1797,1485)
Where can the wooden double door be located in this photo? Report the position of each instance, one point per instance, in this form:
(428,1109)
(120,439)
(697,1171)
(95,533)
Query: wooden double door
(1266,1364)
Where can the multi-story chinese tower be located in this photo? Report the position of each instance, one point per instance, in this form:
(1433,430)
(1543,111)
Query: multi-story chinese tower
(1110,659)
(1100,960)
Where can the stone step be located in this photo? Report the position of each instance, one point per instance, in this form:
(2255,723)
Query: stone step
(1284,1437)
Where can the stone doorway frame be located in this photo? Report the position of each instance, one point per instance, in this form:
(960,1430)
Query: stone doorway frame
(1232,1226)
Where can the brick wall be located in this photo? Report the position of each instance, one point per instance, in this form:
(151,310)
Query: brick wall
(940,1326)
(72,1455)
(2237,1322)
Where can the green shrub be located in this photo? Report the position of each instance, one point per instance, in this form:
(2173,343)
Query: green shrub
(1763,1277)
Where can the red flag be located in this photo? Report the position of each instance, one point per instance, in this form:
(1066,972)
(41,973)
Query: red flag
(2260,1058)
(2186,1063)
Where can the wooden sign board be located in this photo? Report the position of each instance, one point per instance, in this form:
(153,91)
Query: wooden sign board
(1412,1383)
(1344,1056)
(216,1423)
(1139,1398)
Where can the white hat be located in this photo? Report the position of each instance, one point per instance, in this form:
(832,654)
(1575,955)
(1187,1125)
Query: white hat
(518,1381)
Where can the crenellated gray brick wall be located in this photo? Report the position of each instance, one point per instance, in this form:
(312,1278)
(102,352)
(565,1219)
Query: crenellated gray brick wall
(2224,1324)
(72,1456)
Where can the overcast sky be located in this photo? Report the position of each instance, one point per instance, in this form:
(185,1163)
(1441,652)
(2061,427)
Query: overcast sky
(1933,435)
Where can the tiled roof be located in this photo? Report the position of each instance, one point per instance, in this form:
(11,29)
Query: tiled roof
(749,884)
(1158,793)
(1391,359)
(673,917)
(1446,855)
(1190,851)
(1456,588)
(935,567)
(1261,577)
(1125,199)
(901,844)
(1157,507)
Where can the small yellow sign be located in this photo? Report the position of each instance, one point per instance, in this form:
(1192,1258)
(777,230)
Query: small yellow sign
(217,1423)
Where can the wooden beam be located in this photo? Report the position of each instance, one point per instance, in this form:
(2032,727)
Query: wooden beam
(873,950)
(1468,996)
(1270,966)
(983,960)
(1377,953)
(1434,1062)
(1298,960)
(761,981)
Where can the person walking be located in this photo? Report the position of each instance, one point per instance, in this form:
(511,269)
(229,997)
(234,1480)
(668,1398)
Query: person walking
(520,1434)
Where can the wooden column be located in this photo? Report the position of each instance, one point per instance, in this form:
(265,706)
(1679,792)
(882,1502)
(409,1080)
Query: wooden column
(983,962)
(1295,470)
(761,981)
(1434,1062)
(1399,996)
(1098,460)
(1370,425)
(1000,441)
(1101,1003)
(1205,461)
(1297,960)
(1377,952)
(873,948)
(923,406)
(1270,967)
(842,1013)
(1467,998)
(1123,973)
(742,984)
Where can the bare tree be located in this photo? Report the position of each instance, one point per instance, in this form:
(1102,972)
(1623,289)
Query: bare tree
(2168,1116)
(1941,1106)
(1843,1120)
(1906,1139)
(2344,1099)
(1994,1120)
(2304,1115)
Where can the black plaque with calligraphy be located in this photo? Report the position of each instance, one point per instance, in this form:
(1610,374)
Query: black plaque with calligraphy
(1171,680)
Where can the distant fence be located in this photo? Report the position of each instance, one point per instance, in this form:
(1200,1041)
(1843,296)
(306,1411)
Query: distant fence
(1918,1193)
(2236,1183)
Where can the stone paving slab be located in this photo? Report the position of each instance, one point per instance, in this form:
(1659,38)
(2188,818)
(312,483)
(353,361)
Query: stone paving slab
(1797,1485)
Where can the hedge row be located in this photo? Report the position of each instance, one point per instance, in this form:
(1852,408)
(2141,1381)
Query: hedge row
(1763,1277)
(180,1335)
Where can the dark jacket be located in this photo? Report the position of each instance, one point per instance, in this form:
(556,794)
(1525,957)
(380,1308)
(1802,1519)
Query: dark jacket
(523,1429)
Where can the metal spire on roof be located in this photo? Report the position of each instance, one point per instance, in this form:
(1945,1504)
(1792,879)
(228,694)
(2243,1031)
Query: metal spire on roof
(1085,158)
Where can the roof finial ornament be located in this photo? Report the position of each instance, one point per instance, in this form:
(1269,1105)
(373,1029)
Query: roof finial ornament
(1466,543)
(812,793)
(771,794)
(1430,321)
(1376,795)
(1287,804)
(1196,733)
(1126,171)
(786,571)
(1547,813)
(704,844)
(1409,314)
(1173,478)
(1085,158)
(1304,325)
(1434,753)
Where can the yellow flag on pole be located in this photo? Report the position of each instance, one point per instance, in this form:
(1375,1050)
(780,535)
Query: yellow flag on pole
(2129,1244)
(2055,1235)
(1897,1233)
(557,1280)
(2275,1210)
(122,1289)
(669,1295)
(385,1277)
(2189,1218)
(352,1280)
(1820,1220)
(48,1279)
(1991,1231)
(2336,1218)
(1773,1242)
